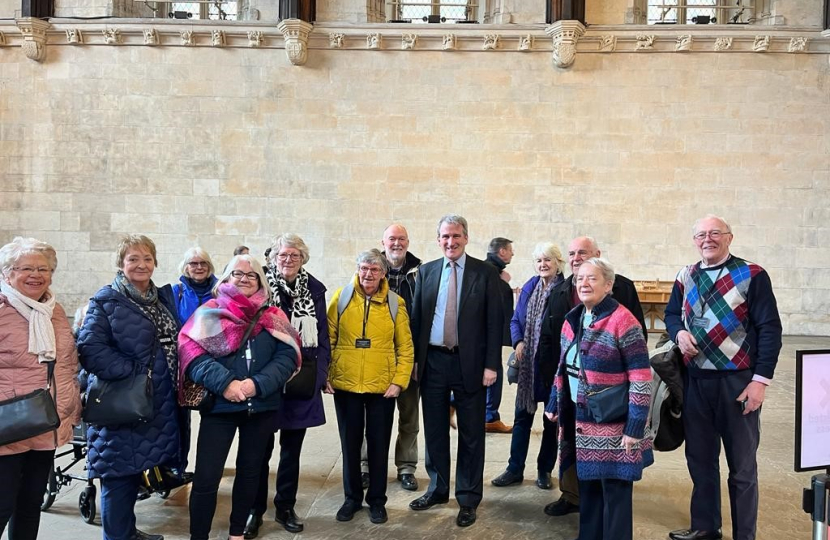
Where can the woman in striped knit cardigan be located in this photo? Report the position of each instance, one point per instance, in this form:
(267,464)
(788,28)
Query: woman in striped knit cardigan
(602,346)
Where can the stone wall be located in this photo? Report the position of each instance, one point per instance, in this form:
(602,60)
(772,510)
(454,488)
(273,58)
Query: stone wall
(217,147)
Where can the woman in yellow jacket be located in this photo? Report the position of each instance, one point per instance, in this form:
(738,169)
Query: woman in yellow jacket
(371,362)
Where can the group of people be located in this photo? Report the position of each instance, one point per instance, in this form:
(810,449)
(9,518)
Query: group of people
(397,333)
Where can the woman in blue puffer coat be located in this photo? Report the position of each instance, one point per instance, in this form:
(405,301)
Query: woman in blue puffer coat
(195,284)
(129,328)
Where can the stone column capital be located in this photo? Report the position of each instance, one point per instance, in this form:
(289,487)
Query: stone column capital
(565,35)
(34,37)
(295,32)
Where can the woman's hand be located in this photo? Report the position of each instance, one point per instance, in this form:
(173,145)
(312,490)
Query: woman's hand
(629,443)
(328,389)
(392,392)
(249,388)
(520,351)
(234,393)
(552,417)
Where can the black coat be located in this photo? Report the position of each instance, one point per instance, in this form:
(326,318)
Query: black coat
(559,303)
(480,324)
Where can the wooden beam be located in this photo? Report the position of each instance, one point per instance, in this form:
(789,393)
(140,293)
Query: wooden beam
(567,10)
(305,10)
(40,9)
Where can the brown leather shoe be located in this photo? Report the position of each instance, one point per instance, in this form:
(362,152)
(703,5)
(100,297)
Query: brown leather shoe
(497,427)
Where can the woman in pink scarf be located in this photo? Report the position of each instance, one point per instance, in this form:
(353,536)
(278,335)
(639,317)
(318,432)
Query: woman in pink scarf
(247,381)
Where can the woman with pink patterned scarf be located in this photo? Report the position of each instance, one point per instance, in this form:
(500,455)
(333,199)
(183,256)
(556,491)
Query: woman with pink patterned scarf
(246,380)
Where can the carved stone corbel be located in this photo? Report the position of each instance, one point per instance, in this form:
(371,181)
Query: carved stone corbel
(408,41)
(151,37)
(448,42)
(295,33)
(34,37)
(565,35)
(797,44)
(74,36)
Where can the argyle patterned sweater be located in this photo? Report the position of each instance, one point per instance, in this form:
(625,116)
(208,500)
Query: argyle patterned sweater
(734,319)
(612,351)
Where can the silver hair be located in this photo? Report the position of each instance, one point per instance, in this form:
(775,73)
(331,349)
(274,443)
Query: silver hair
(11,253)
(373,256)
(394,225)
(549,249)
(288,240)
(226,274)
(604,267)
(453,219)
(190,254)
(711,216)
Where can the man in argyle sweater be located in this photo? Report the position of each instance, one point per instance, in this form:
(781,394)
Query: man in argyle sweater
(723,315)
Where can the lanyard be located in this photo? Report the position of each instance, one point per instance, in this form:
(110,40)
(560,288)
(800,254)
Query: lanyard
(367,303)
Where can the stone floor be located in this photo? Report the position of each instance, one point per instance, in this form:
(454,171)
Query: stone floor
(660,499)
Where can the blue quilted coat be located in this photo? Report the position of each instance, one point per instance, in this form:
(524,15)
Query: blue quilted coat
(116,340)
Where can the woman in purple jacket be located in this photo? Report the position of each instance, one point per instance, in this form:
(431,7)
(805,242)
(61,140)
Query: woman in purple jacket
(534,382)
(303,299)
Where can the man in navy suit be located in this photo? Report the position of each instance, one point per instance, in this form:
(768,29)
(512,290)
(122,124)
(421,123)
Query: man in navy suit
(457,331)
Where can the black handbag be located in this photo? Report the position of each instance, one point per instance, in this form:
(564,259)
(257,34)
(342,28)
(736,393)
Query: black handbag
(609,404)
(512,369)
(23,417)
(304,383)
(122,401)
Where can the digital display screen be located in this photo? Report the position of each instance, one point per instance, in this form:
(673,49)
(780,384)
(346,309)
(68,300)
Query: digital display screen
(812,410)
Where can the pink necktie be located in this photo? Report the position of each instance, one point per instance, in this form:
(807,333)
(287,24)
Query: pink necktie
(451,313)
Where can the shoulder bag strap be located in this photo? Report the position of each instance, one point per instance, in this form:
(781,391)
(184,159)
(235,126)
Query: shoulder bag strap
(251,328)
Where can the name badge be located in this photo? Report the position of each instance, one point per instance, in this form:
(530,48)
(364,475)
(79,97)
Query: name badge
(699,322)
(362,343)
(165,340)
(572,370)
(248,354)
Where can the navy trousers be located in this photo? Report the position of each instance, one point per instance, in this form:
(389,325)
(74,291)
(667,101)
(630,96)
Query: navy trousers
(288,471)
(118,496)
(520,443)
(711,414)
(605,510)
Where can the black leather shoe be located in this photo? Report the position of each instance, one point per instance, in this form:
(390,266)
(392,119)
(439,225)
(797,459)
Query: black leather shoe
(377,514)
(364,479)
(561,508)
(289,520)
(543,480)
(689,534)
(425,502)
(252,526)
(408,481)
(466,516)
(141,535)
(507,478)
(348,510)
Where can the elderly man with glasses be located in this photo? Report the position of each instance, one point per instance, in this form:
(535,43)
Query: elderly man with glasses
(723,315)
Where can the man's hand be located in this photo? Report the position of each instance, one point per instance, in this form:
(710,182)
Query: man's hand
(489,377)
(505,276)
(234,393)
(520,351)
(754,394)
(687,343)
(629,443)
(392,392)
(328,389)
(552,417)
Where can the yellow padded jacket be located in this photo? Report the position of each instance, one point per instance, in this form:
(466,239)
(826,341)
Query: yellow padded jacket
(390,358)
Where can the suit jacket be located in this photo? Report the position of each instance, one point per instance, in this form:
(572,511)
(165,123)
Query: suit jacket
(480,319)
(560,302)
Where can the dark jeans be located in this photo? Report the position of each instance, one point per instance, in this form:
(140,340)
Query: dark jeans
(442,377)
(605,510)
(373,415)
(288,471)
(711,414)
(118,496)
(216,434)
(494,392)
(23,479)
(520,442)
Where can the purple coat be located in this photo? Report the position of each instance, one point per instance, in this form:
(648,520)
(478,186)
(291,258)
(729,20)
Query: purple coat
(306,413)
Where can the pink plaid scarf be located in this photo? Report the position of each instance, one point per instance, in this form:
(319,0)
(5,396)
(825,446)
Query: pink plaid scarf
(218,326)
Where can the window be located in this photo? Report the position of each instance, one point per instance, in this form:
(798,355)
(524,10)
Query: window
(418,11)
(701,11)
(215,10)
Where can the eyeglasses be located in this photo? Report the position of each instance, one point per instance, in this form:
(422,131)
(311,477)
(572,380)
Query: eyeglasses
(369,270)
(198,264)
(289,256)
(714,235)
(239,274)
(45,270)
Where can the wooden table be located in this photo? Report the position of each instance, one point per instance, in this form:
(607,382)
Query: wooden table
(654,295)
